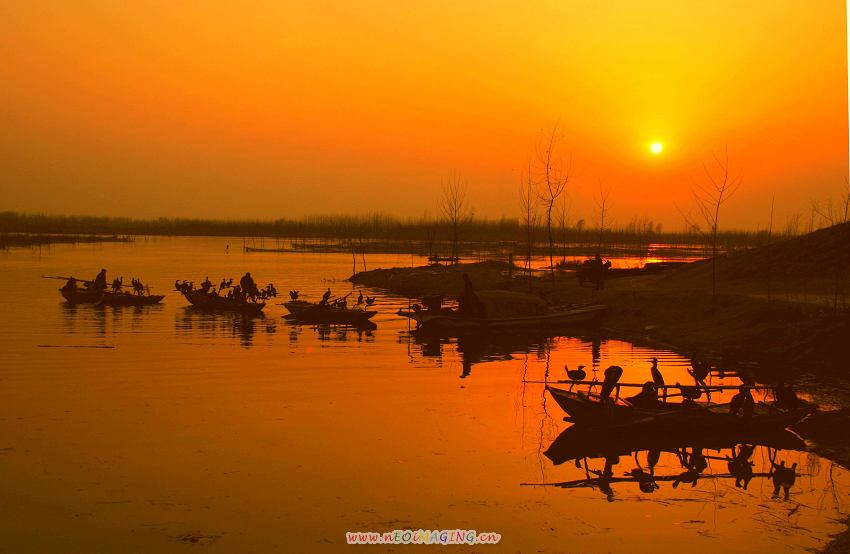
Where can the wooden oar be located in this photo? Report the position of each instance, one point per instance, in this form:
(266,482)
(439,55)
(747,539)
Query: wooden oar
(64,278)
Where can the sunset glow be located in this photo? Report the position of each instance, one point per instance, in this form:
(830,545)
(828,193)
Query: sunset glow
(270,109)
(656,148)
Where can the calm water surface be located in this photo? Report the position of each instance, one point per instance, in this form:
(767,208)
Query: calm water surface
(161,429)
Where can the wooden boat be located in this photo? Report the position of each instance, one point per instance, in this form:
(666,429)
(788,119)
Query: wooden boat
(128,299)
(212,302)
(317,314)
(82,295)
(297,306)
(452,321)
(582,441)
(619,413)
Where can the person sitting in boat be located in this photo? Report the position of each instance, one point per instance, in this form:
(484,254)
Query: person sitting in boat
(99,282)
(646,398)
(742,403)
(612,377)
(325,297)
(70,285)
(786,398)
(468,302)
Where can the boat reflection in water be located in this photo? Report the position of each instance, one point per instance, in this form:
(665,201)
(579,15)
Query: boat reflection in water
(645,461)
(474,348)
(192,322)
(337,333)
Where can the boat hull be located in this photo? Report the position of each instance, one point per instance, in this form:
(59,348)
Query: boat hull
(588,410)
(127,299)
(454,322)
(211,302)
(330,315)
(82,295)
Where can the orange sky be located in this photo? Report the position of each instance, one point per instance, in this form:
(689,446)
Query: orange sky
(218,109)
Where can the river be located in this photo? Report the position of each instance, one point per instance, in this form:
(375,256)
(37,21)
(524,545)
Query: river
(156,429)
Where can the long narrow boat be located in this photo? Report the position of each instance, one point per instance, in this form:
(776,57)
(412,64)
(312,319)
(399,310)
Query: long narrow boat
(618,413)
(297,306)
(212,302)
(453,321)
(317,314)
(81,295)
(128,299)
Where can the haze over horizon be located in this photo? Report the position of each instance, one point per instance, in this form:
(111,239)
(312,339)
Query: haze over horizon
(269,109)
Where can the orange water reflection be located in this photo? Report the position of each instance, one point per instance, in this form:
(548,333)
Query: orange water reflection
(260,435)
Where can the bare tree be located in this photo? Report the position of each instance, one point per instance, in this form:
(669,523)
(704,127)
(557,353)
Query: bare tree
(709,199)
(602,205)
(553,182)
(528,216)
(563,223)
(453,205)
(835,213)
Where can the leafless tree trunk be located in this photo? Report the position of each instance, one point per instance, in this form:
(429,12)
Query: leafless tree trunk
(529,217)
(453,205)
(563,211)
(709,200)
(553,183)
(769,257)
(602,206)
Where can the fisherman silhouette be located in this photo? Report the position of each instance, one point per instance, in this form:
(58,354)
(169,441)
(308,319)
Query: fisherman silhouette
(612,376)
(99,282)
(325,297)
(468,303)
(742,403)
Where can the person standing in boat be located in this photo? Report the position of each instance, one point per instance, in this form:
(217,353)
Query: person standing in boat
(468,302)
(99,282)
(325,297)
(248,285)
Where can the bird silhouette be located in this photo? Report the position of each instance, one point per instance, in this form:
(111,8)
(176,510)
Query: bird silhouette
(575,374)
(657,378)
(370,301)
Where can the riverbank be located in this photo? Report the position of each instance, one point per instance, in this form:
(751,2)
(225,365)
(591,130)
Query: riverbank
(27,240)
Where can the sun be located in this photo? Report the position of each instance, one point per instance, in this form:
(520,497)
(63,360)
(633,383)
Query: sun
(656,148)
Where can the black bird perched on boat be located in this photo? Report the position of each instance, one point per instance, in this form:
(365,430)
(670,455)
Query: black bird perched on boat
(575,374)
(612,377)
(360,298)
(657,378)
(370,300)
(293,294)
